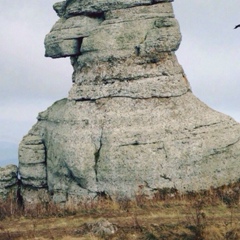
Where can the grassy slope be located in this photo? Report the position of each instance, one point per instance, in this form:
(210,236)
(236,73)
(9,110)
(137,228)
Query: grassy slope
(209,215)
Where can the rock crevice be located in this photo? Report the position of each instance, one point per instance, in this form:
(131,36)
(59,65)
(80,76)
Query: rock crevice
(97,155)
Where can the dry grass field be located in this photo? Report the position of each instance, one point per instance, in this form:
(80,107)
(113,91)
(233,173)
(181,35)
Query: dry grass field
(209,215)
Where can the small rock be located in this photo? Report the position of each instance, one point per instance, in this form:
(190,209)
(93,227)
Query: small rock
(102,227)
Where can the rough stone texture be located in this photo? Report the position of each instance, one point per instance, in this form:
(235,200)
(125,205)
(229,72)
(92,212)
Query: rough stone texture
(66,35)
(32,196)
(71,8)
(140,30)
(8,180)
(130,121)
(101,227)
(129,77)
(32,161)
(116,145)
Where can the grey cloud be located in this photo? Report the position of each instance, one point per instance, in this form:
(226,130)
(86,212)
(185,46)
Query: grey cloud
(24,70)
(210,51)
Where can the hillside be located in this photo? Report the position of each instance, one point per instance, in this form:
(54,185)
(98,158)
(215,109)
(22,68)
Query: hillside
(209,215)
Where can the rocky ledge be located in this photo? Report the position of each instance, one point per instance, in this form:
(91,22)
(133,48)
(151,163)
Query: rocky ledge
(130,123)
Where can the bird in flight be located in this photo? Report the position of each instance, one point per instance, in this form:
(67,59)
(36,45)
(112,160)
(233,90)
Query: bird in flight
(237,26)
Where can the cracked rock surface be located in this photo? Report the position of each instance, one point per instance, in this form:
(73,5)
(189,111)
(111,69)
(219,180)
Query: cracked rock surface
(130,122)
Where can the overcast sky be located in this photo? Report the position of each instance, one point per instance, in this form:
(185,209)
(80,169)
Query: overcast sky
(29,83)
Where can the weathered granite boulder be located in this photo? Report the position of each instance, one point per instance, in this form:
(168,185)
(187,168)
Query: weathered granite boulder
(130,121)
(8,181)
(70,8)
(32,161)
(33,171)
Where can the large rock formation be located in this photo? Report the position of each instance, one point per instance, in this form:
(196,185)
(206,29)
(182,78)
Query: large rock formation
(130,121)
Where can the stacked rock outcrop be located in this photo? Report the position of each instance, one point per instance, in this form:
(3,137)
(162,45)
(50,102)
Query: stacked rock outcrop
(8,181)
(130,122)
(33,170)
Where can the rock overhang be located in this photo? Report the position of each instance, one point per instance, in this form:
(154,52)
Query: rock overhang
(120,25)
(70,8)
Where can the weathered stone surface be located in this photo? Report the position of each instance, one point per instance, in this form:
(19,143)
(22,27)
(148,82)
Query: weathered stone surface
(91,7)
(59,8)
(139,31)
(32,161)
(124,143)
(33,196)
(135,27)
(130,123)
(8,180)
(139,77)
(66,36)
